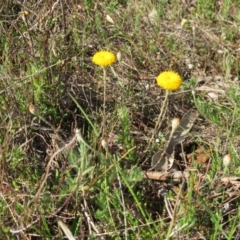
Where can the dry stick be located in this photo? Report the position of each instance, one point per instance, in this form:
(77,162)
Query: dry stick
(167,207)
(176,207)
(11,213)
(90,222)
(66,230)
(176,177)
(85,209)
(49,166)
(21,230)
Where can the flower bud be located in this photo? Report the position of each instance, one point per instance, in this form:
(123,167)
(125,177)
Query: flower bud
(119,56)
(104,143)
(26,13)
(227,160)
(78,134)
(32,109)
(175,123)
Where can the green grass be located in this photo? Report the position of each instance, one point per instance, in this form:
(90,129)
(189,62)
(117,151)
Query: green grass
(94,183)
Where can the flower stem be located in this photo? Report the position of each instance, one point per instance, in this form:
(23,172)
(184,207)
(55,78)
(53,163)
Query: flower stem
(163,109)
(104,100)
(160,117)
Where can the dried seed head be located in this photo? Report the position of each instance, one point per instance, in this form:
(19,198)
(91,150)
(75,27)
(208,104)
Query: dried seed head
(175,123)
(119,56)
(32,109)
(78,134)
(26,13)
(183,22)
(227,160)
(104,143)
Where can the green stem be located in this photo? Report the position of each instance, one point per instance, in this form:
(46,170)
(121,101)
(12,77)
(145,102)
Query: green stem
(160,118)
(163,108)
(104,100)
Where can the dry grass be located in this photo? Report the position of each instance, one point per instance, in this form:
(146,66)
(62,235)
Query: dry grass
(50,177)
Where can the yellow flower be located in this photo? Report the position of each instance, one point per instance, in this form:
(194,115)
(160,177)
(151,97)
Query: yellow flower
(169,80)
(104,58)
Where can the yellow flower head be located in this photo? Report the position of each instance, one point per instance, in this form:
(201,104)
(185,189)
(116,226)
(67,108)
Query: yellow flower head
(169,80)
(104,58)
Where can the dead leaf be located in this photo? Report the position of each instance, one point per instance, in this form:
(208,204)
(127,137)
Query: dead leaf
(200,155)
(165,164)
(160,160)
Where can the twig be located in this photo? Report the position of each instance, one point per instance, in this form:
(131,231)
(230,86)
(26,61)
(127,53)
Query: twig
(66,230)
(49,166)
(23,229)
(167,207)
(90,222)
(176,177)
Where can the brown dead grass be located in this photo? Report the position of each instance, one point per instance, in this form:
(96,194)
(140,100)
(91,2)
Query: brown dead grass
(53,45)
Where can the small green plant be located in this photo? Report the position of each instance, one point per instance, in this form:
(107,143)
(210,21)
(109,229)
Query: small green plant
(80,162)
(124,137)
